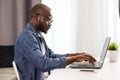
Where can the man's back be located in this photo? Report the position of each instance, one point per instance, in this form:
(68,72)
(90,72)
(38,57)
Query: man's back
(26,68)
(29,58)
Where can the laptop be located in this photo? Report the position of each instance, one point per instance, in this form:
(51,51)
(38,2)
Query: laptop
(98,64)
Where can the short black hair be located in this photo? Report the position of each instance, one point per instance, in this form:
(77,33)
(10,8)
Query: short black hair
(37,8)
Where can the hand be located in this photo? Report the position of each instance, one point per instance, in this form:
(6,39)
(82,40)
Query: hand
(84,57)
(75,54)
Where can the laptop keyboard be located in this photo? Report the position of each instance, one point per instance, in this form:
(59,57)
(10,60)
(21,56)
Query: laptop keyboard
(84,64)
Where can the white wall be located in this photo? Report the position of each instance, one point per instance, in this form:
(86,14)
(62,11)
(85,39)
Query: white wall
(61,36)
(91,25)
(79,25)
(114,20)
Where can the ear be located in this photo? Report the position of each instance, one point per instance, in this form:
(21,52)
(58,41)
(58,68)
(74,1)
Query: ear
(36,17)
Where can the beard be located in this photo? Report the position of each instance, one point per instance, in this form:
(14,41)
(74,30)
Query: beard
(41,27)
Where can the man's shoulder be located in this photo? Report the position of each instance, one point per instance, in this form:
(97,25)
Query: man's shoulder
(27,34)
(29,30)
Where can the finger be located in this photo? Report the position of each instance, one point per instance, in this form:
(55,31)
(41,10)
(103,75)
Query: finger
(91,62)
(94,60)
(87,59)
(91,57)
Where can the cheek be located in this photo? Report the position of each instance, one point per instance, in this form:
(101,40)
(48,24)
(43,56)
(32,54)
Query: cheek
(45,24)
(41,23)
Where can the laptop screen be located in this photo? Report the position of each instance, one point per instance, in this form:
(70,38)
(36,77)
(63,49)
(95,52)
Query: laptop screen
(104,50)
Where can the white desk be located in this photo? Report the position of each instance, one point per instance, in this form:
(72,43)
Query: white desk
(109,71)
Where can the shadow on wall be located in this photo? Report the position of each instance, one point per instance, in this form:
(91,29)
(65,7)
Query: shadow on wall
(6,55)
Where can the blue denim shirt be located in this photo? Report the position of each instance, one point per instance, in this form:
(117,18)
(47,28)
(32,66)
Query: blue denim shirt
(28,56)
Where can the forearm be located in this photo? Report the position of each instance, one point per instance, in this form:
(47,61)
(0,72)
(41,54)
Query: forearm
(70,60)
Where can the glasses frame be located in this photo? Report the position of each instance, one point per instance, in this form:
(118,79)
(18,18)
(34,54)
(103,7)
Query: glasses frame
(50,20)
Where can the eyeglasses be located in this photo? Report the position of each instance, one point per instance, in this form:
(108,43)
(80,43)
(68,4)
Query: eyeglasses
(49,19)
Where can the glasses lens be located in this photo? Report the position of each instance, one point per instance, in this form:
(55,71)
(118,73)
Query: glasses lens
(49,19)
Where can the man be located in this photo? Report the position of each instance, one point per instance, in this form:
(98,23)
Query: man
(32,55)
